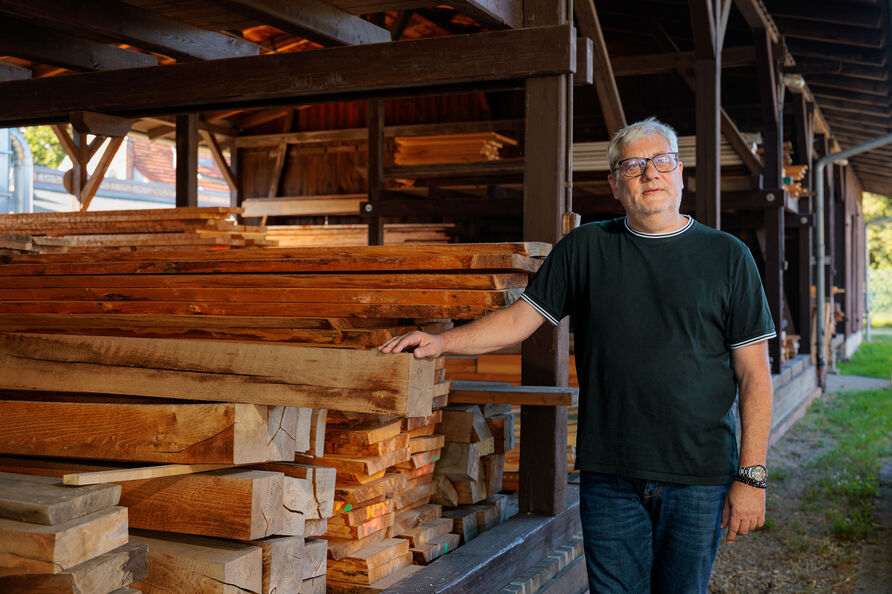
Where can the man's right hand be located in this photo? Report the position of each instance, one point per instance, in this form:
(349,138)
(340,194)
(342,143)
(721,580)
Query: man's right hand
(425,345)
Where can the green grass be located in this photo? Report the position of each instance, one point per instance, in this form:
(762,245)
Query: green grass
(858,425)
(873,359)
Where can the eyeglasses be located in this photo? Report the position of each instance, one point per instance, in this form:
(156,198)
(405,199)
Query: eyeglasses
(635,166)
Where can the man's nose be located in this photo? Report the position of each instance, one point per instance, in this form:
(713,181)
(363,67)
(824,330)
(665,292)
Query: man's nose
(650,170)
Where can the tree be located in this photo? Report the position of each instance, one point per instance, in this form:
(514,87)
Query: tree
(45,147)
(879,238)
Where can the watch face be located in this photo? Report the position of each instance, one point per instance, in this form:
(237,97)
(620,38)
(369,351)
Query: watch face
(759,473)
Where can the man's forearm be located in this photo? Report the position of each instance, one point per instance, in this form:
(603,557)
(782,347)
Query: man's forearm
(755,402)
(496,330)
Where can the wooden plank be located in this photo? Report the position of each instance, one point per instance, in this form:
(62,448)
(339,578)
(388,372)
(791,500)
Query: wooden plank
(338,548)
(282,563)
(353,468)
(106,573)
(295,376)
(243,82)
(497,393)
(315,558)
(238,504)
(182,563)
(131,474)
(26,41)
(236,262)
(321,481)
(605,82)
(44,500)
(362,529)
(371,563)
(344,439)
(184,433)
(312,19)
(452,297)
(132,25)
(36,548)
(427,531)
(348,495)
(435,548)
(379,586)
(380,448)
(464,523)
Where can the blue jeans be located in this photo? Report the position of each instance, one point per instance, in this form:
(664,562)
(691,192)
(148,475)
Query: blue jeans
(648,536)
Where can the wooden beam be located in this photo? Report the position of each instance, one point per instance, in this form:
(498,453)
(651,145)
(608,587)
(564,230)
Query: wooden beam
(106,573)
(278,166)
(123,23)
(605,82)
(88,122)
(495,393)
(45,500)
(709,19)
(667,62)
(253,373)
(193,433)
(413,208)
(210,140)
(375,175)
(547,187)
(187,160)
(868,15)
(182,563)
(311,19)
(836,33)
(757,17)
(48,46)
(342,72)
(36,548)
(98,174)
(846,53)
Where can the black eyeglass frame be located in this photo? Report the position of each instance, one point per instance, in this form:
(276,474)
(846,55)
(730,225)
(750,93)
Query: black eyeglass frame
(619,164)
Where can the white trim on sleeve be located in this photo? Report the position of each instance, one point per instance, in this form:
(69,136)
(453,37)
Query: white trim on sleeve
(752,340)
(540,309)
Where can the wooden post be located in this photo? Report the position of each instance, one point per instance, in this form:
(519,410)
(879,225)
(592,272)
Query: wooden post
(772,116)
(79,167)
(376,167)
(547,196)
(804,112)
(187,160)
(709,19)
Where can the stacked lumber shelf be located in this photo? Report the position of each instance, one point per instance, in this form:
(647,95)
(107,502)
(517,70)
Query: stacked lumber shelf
(59,539)
(127,230)
(505,367)
(358,235)
(450,148)
(246,455)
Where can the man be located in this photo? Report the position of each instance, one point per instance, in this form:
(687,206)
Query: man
(670,321)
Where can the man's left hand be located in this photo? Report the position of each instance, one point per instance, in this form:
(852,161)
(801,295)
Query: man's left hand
(744,509)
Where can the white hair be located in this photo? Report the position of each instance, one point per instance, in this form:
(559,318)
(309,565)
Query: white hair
(637,131)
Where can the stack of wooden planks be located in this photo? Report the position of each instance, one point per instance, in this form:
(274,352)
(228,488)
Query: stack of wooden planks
(383,518)
(272,462)
(352,297)
(450,148)
(358,234)
(54,538)
(505,367)
(127,230)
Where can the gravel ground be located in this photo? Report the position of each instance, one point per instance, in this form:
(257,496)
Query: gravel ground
(793,552)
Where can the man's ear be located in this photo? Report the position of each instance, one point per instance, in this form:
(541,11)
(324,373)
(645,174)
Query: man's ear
(612,181)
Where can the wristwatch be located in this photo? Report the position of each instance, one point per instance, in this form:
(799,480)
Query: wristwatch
(754,476)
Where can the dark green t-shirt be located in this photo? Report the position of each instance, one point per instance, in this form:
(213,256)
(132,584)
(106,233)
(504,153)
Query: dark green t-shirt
(655,319)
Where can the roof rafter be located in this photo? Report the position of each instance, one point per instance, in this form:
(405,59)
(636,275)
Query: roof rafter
(123,23)
(311,19)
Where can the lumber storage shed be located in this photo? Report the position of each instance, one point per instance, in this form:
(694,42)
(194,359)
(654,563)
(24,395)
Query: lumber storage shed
(342,125)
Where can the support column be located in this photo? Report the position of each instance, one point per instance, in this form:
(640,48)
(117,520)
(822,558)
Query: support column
(804,112)
(187,160)
(376,167)
(772,138)
(709,19)
(547,196)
